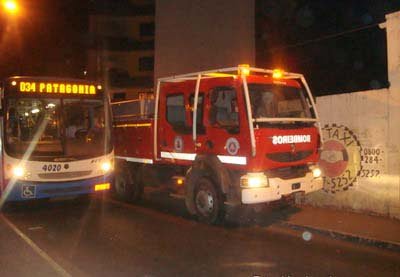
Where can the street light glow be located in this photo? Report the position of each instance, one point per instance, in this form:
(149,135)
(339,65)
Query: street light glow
(10,6)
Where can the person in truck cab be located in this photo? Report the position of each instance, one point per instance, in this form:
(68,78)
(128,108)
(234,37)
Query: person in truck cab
(264,104)
(224,109)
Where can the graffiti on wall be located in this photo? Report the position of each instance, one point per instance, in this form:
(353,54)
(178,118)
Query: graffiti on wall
(372,159)
(343,160)
(340,158)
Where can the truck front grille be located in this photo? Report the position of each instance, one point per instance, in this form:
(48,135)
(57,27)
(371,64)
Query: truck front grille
(291,172)
(284,157)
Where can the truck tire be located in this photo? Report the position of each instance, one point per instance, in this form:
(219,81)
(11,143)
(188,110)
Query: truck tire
(127,187)
(208,202)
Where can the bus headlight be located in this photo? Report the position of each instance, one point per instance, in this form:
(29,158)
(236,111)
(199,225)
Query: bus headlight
(106,166)
(316,172)
(18,171)
(254,180)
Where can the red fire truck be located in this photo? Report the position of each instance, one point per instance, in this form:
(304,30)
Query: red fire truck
(229,136)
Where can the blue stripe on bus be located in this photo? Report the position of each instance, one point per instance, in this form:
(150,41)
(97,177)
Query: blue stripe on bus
(23,190)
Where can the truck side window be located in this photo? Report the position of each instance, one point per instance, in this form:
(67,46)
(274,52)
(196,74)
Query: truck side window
(176,113)
(224,109)
(200,125)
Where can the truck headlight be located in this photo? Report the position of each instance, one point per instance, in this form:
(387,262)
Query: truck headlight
(106,166)
(254,180)
(316,172)
(18,171)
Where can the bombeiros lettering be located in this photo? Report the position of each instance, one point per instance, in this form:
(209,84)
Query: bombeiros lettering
(291,139)
(52,87)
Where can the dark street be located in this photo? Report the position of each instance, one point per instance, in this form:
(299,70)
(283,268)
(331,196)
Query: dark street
(103,237)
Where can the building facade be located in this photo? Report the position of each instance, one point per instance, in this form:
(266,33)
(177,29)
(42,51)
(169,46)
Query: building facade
(121,46)
(198,35)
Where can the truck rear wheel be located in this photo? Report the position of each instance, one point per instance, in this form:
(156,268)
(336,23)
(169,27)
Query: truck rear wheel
(127,186)
(208,202)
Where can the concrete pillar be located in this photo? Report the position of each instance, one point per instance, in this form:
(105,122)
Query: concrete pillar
(199,35)
(393,48)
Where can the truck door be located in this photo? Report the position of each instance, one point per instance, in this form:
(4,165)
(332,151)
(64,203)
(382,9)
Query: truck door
(175,132)
(223,126)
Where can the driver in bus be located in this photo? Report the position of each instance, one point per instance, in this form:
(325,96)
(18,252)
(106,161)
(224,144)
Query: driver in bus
(73,127)
(13,122)
(98,126)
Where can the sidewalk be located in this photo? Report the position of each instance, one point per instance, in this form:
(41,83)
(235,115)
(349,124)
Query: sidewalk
(368,229)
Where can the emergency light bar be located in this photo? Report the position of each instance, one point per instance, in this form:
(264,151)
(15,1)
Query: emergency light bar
(244,69)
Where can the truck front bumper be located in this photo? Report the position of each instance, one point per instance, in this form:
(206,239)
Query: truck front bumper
(279,187)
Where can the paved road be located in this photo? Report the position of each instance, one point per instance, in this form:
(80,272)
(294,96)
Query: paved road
(157,238)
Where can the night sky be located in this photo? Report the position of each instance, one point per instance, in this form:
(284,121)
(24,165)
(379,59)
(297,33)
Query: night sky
(311,37)
(49,37)
(337,45)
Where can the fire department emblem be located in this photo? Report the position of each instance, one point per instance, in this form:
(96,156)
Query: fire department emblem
(340,158)
(178,144)
(232,146)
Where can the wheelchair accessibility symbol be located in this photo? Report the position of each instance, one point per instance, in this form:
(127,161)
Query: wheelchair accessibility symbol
(28,191)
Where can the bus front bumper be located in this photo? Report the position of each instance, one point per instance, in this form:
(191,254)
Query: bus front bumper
(25,190)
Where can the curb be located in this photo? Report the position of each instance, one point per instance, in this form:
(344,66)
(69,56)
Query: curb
(394,246)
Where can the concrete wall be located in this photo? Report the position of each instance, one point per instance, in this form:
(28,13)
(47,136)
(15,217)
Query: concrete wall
(201,34)
(361,151)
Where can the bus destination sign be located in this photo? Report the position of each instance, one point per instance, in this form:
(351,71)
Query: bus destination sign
(55,87)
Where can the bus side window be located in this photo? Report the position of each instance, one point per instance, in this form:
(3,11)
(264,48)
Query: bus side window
(1,98)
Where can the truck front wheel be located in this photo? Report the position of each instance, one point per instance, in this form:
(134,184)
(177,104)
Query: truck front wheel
(126,185)
(208,202)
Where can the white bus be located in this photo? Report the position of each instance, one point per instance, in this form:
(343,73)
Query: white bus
(55,138)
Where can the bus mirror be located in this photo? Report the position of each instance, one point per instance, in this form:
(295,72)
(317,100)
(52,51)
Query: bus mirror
(1,97)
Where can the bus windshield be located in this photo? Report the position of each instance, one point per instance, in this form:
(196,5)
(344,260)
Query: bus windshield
(54,128)
(278,101)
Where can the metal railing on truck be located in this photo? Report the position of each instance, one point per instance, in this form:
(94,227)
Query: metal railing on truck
(136,109)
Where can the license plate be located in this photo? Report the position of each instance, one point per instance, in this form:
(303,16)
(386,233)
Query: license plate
(296,186)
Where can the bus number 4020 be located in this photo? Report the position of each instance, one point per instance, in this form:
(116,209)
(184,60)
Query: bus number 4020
(52,167)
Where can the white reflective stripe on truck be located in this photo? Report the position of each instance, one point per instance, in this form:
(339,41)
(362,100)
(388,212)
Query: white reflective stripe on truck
(135,160)
(232,160)
(191,157)
(178,156)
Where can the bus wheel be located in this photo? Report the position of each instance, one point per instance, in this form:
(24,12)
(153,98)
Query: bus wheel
(208,202)
(126,185)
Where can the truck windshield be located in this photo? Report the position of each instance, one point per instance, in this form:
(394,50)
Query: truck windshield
(277,101)
(45,128)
